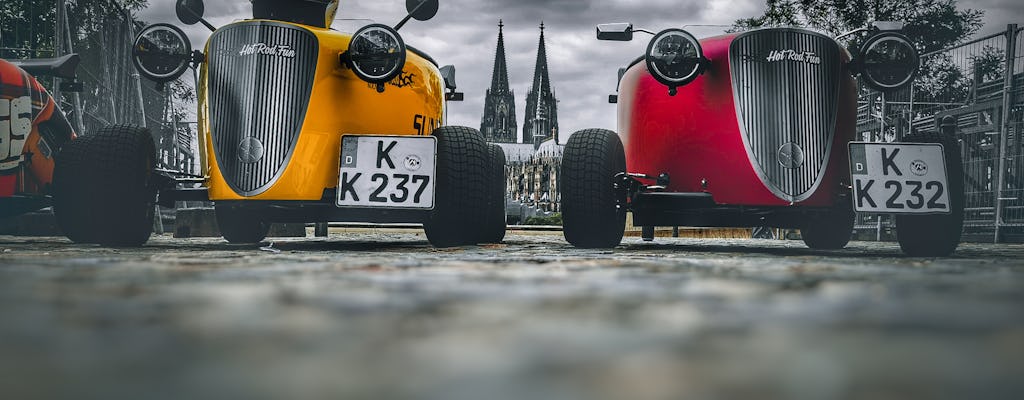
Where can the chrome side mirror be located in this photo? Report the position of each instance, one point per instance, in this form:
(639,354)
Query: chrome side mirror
(622,32)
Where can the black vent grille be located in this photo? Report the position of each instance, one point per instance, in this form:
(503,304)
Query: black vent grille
(786,86)
(260,79)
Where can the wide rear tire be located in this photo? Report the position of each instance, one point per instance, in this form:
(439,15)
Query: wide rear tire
(936,235)
(494,227)
(461,193)
(103,191)
(591,216)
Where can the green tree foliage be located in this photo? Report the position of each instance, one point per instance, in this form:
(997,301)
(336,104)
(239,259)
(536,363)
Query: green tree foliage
(101,32)
(931,24)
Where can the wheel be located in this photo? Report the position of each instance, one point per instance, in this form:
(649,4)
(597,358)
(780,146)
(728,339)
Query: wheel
(591,217)
(830,230)
(240,226)
(103,190)
(460,196)
(71,192)
(494,227)
(936,235)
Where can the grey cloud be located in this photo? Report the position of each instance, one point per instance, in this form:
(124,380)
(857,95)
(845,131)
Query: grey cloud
(583,70)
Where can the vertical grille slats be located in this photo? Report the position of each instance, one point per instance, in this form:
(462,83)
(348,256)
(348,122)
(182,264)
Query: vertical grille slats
(785,101)
(258,95)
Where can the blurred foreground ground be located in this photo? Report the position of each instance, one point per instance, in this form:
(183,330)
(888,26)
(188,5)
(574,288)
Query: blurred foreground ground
(381,314)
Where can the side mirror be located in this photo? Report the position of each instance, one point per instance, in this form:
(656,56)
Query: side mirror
(421,10)
(191,11)
(448,73)
(622,32)
(888,26)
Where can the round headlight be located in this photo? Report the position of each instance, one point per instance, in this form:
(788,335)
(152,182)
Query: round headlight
(376,53)
(888,61)
(162,53)
(674,57)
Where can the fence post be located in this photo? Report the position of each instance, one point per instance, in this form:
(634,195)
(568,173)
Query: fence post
(1004,126)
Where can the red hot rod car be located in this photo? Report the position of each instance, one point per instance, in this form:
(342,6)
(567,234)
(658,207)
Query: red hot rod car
(756,129)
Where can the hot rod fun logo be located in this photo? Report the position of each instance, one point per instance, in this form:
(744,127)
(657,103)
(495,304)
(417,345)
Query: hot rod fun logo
(264,49)
(792,55)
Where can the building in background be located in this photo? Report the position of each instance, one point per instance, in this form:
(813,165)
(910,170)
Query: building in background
(532,164)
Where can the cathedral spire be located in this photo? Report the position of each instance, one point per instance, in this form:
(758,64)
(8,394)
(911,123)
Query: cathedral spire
(541,106)
(499,121)
(499,78)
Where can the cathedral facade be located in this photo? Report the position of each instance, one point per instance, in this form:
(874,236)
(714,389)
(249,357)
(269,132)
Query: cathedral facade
(532,164)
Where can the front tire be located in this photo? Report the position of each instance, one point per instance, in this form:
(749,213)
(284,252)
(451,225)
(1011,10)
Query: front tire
(831,230)
(591,216)
(461,193)
(103,189)
(936,235)
(240,226)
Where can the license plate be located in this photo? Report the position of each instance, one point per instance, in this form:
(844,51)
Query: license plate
(899,178)
(387,171)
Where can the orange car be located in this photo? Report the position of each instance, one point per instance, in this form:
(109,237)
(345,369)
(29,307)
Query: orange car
(32,132)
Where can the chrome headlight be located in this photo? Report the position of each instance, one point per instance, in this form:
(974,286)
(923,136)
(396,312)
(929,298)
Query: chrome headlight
(162,53)
(674,57)
(376,53)
(888,61)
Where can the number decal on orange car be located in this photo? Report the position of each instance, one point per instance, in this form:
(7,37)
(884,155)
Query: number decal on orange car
(15,125)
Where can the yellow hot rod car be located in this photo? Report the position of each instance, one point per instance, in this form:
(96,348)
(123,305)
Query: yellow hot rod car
(298,123)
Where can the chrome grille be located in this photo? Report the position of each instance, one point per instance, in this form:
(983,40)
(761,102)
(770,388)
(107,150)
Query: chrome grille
(786,103)
(260,78)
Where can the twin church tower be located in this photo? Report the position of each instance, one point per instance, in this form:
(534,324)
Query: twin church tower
(499,121)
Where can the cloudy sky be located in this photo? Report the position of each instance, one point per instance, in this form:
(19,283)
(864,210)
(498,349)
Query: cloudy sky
(583,70)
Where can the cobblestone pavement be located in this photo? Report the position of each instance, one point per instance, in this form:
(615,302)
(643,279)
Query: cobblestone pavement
(380,315)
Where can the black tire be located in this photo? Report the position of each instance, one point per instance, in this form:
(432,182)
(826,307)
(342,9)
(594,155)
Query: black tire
(494,227)
(72,192)
(103,191)
(590,216)
(240,226)
(460,196)
(830,230)
(936,235)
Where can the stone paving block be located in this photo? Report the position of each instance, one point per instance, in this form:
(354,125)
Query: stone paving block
(380,314)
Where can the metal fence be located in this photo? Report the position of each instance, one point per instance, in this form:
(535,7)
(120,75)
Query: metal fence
(974,83)
(113,91)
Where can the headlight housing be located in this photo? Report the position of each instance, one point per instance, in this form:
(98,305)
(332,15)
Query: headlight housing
(162,53)
(888,61)
(376,53)
(674,57)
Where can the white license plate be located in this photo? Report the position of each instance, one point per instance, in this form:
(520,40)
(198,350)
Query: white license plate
(387,171)
(899,178)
